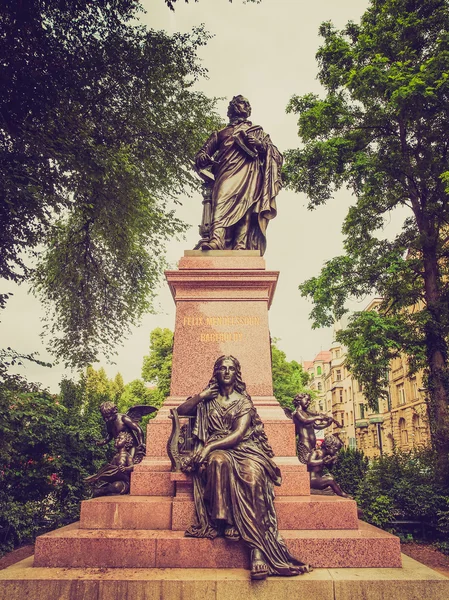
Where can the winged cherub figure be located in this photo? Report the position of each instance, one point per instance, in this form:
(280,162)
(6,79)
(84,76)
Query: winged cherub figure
(117,423)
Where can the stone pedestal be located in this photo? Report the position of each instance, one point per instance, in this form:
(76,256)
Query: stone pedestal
(133,546)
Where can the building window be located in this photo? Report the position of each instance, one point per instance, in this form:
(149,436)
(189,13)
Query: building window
(318,370)
(337,353)
(338,375)
(401,393)
(319,386)
(403,433)
(341,395)
(362,411)
(415,390)
(343,419)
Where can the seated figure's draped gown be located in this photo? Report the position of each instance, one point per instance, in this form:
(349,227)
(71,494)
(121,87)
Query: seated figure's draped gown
(237,484)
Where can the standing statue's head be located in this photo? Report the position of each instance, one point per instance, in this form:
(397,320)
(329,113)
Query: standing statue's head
(302,400)
(239,108)
(227,371)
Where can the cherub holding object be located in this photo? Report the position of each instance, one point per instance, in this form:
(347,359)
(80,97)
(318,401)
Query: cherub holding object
(113,478)
(117,423)
(325,456)
(306,422)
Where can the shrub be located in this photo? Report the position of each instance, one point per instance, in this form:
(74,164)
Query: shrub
(350,469)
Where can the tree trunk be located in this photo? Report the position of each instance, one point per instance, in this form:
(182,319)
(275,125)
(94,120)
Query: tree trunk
(436,346)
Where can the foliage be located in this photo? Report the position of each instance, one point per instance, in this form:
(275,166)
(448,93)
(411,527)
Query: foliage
(135,392)
(47,450)
(403,485)
(99,125)
(382,131)
(289,378)
(171,3)
(350,469)
(157,364)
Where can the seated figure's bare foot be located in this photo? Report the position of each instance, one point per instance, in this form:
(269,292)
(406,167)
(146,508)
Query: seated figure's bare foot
(259,567)
(231,533)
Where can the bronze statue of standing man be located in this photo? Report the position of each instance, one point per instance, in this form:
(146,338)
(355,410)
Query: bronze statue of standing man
(245,167)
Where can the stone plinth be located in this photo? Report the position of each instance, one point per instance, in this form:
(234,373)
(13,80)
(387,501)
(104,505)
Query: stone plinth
(222,302)
(72,547)
(162,512)
(152,477)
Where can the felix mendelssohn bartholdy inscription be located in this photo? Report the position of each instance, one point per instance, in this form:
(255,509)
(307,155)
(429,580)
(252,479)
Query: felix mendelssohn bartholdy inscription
(221,321)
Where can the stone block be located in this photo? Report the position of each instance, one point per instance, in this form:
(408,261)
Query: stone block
(148,483)
(74,547)
(126,512)
(293,512)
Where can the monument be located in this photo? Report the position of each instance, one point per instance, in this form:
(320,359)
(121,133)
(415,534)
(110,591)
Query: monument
(134,546)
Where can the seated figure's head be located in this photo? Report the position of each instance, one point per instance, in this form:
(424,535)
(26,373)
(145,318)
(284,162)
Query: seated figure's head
(239,107)
(108,410)
(232,365)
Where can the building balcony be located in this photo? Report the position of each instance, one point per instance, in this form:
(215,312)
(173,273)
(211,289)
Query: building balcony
(361,423)
(336,385)
(376,419)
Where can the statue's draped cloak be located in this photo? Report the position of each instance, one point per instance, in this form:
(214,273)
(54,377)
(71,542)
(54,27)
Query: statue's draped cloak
(244,183)
(237,484)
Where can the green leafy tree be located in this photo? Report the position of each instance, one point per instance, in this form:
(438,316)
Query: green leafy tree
(157,365)
(135,392)
(289,378)
(382,131)
(99,123)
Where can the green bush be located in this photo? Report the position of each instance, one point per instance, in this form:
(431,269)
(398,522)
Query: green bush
(47,450)
(350,469)
(404,485)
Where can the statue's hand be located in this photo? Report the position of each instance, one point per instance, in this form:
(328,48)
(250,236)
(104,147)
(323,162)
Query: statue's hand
(255,144)
(203,160)
(100,442)
(122,468)
(210,392)
(200,455)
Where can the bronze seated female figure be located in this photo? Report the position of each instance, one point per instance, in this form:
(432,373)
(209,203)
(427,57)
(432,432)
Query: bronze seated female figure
(234,474)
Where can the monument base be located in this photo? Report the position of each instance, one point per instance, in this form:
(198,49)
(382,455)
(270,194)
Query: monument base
(413,582)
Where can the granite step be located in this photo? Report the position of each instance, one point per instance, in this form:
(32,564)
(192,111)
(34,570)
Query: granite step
(162,512)
(74,547)
(413,580)
(152,477)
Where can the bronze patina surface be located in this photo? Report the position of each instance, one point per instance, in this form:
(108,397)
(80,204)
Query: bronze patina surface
(306,422)
(234,472)
(241,168)
(117,423)
(113,478)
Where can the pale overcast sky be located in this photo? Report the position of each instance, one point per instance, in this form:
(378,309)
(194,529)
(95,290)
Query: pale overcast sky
(266,52)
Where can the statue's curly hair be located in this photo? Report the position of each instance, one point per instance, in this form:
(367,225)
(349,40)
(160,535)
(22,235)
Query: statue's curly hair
(332,443)
(129,440)
(233,103)
(259,434)
(108,407)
